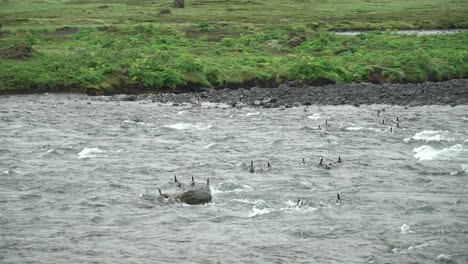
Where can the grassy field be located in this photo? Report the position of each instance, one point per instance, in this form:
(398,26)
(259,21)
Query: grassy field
(105,47)
(337,14)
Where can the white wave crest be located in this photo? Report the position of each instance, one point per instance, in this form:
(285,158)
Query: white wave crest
(354,128)
(247,201)
(259,211)
(426,152)
(404,229)
(210,145)
(424,245)
(315,116)
(183,126)
(432,135)
(464,167)
(91,153)
(444,258)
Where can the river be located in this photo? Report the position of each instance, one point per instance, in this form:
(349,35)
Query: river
(79,180)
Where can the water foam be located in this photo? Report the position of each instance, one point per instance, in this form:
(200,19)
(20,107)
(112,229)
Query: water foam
(444,258)
(426,152)
(433,135)
(464,167)
(404,229)
(354,128)
(247,201)
(423,245)
(259,211)
(315,116)
(9,172)
(210,145)
(184,126)
(91,153)
(292,207)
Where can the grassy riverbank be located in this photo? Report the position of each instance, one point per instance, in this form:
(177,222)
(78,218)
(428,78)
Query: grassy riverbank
(65,47)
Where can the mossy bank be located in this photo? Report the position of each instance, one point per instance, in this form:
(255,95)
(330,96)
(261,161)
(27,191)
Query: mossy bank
(161,55)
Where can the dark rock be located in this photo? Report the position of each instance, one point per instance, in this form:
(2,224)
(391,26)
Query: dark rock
(178,4)
(453,92)
(165,11)
(129,98)
(200,195)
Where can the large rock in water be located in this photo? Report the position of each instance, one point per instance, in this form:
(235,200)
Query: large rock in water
(200,195)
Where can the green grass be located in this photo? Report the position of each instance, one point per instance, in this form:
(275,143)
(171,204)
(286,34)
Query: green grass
(337,14)
(54,45)
(161,57)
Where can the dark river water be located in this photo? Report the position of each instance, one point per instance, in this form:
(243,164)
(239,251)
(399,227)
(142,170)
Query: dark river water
(79,180)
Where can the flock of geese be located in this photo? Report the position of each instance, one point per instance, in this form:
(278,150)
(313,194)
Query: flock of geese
(181,186)
(300,202)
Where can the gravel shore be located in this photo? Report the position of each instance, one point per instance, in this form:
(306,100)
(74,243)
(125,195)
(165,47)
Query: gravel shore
(452,92)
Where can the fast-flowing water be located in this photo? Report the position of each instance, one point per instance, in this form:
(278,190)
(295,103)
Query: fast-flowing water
(79,178)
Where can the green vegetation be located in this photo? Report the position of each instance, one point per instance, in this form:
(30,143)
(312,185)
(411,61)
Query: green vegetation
(105,47)
(337,14)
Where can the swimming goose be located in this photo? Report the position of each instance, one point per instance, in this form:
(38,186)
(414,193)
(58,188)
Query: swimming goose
(301,202)
(338,198)
(325,166)
(177,183)
(193,182)
(252,170)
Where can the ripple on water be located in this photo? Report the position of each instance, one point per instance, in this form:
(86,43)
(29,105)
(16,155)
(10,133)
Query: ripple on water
(90,191)
(231,187)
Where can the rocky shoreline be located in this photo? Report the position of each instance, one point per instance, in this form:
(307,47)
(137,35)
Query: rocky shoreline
(293,93)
